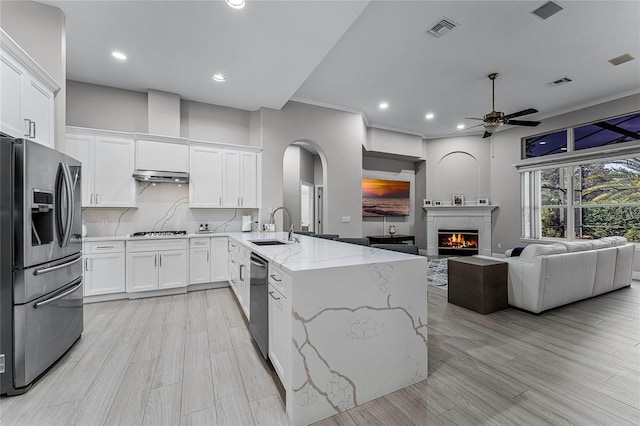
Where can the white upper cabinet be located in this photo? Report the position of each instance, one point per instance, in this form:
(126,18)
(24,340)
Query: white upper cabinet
(231,173)
(27,101)
(240,179)
(205,177)
(171,157)
(248,179)
(107,169)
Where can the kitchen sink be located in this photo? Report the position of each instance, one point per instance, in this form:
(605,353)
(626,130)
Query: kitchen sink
(268,242)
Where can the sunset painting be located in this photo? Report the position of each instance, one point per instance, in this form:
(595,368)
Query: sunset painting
(385,198)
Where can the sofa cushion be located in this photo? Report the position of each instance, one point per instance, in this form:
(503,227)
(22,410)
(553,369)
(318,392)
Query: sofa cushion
(624,266)
(573,246)
(601,243)
(533,250)
(567,278)
(605,270)
(616,241)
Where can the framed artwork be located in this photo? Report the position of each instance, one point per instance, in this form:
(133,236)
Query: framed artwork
(437,203)
(427,202)
(458,200)
(483,201)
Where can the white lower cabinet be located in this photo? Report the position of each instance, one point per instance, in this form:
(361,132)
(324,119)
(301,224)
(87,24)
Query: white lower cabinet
(208,260)
(239,275)
(279,322)
(156,264)
(219,259)
(104,268)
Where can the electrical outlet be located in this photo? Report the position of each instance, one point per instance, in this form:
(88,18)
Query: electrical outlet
(105,222)
(499,245)
(346,219)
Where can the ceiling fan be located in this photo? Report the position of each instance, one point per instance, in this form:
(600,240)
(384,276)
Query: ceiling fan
(496,119)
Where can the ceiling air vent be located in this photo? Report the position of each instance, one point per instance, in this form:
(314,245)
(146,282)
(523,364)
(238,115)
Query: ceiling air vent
(443,27)
(621,59)
(547,10)
(563,80)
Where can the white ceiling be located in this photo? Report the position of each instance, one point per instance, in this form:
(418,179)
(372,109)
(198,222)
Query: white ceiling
(354,54)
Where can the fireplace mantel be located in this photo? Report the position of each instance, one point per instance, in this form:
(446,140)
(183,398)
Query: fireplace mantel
(459,217)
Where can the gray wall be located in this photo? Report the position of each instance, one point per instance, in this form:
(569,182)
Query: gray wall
(40,30)
(108,108)
(298,164)
(214,123)
(338,136)
(505,180)
(390,169)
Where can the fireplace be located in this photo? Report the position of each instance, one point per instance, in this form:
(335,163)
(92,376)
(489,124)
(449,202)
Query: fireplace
(457,242)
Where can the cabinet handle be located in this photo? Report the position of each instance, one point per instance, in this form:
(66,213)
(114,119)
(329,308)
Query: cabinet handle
(27,123)
(271,294)
(104,247)
(155,260)
(233,261)
(207,255)
(97,198)
(275,278)
(241,277)
(86,264)
(161,261)
(220,201)
(91,202)
(34,130)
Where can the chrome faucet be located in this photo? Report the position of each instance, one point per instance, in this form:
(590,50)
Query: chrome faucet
(272,220)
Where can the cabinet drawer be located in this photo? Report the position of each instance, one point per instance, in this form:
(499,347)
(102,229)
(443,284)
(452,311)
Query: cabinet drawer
(200,243)
(157,245)
(278,279)
(115,246)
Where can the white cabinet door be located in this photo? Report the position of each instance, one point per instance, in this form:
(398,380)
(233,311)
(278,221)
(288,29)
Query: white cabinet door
(219,259)
(11,83)
(80,147)
(231,172)
(244,288)
(278,332)
(142,271)
(173,269)
(37,104)
(152,155)
(114,162)
(104,274)
(205,177)
(249,179)
(199,265)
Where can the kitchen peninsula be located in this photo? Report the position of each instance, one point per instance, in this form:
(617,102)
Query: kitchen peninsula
(350,324)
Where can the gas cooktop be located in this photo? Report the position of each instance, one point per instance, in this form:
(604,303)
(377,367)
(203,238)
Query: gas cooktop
(158,233)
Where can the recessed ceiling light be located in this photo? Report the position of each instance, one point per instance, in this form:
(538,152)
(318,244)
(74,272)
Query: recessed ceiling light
(460,126)
(542,142)
(119,55)
(236,4)
(429,116)
(383,105)
(219,77)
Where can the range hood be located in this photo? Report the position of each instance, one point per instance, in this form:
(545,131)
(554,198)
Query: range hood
(161,176)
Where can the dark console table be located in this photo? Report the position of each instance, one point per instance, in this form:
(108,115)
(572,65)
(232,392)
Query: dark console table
(478,284)
(391,239)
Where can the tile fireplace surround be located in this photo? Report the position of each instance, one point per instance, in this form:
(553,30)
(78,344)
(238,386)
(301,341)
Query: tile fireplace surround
(462,218)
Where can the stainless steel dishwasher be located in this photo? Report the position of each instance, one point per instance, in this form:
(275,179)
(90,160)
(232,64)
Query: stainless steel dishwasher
(259,300)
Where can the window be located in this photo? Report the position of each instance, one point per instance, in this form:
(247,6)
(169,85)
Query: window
(607,132)
(583,194)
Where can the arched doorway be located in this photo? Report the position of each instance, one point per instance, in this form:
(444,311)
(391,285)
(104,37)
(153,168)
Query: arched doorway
(304,186)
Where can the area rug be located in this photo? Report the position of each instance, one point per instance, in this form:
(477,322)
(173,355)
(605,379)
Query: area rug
(437,273)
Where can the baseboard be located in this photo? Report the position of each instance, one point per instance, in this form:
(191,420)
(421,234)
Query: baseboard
(105,297)
(154,293)
(636,275)
(207,286)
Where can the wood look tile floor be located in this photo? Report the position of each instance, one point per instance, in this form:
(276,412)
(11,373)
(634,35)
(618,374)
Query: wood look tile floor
(189,360)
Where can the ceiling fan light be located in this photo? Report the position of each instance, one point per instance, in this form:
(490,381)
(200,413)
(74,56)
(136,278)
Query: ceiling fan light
(492,127)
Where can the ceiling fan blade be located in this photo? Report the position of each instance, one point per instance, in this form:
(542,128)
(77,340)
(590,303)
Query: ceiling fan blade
(521,113)
(474,118)
(486,135)
(523,123)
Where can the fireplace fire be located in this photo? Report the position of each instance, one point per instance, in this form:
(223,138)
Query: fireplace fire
(457,242)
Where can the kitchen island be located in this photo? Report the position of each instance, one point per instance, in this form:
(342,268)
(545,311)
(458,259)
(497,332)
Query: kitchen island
(347,323)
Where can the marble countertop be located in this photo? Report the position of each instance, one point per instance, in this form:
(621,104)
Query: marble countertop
(129,237)
(316,253)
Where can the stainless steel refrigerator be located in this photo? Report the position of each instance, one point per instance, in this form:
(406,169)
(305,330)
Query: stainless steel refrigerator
(40,260)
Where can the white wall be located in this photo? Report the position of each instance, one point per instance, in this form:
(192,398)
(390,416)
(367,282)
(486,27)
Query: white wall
(338,137)
(386,141)
(214,123)
(40,30)
(505,180)
(384,168)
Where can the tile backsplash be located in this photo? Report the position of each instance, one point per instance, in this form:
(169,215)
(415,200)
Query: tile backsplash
(161,207)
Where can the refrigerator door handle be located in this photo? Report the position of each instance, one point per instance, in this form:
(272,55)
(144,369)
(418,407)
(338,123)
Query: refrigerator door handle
(64,184)
(55,268)
(75,283)
(70,203)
